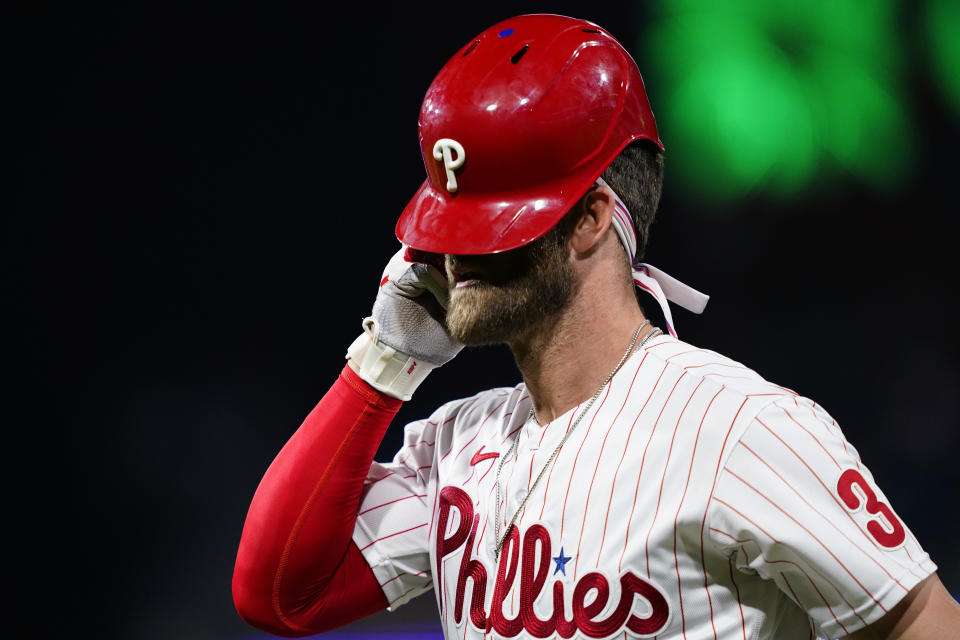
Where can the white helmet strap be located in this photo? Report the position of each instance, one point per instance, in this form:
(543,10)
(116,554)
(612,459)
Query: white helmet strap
(657,283)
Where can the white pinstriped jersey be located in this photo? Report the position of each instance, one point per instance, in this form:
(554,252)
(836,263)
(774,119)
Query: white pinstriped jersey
(693,500)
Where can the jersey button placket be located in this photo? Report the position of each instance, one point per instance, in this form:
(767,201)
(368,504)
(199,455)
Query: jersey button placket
(518,489)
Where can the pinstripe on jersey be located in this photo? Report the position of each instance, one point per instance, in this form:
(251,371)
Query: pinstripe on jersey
(691,476)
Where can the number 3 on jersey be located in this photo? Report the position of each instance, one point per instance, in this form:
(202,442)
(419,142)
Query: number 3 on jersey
(855,492)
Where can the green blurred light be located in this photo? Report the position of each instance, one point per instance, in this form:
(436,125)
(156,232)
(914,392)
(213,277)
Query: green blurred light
(943,34)
(864,127)
(740,121)
(756,95)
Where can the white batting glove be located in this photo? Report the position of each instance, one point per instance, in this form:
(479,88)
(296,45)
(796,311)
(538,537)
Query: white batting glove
(405,338)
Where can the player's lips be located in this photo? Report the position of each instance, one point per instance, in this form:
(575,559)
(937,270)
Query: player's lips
(464,277)
(466,282)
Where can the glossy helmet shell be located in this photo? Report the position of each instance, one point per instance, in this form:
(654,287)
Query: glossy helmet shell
(539,106)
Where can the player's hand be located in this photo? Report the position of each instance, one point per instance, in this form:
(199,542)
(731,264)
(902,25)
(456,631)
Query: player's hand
(405,336)
(410,308)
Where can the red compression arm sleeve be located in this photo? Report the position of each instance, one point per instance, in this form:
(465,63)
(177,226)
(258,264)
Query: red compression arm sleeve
(298,571)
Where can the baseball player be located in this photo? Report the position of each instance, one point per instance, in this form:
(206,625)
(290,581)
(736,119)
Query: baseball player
(633,485)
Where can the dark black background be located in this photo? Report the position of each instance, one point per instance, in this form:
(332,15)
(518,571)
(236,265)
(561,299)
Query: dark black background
(204,200)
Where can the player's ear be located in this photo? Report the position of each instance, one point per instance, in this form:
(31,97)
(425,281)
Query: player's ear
(595,219)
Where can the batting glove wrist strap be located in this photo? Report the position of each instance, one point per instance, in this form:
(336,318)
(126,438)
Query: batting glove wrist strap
(383,367)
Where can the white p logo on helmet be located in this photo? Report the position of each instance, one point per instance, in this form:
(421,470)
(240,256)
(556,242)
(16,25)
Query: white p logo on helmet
(442,153)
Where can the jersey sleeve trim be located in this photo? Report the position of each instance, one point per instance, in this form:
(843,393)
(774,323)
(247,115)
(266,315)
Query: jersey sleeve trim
(886,598)
(388,570)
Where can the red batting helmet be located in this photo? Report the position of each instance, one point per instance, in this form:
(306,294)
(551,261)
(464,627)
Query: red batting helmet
(515,129)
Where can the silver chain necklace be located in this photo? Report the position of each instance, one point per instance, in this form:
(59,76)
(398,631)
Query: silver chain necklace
(513,448)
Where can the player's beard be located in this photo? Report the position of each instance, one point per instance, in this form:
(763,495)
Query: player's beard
(520,292)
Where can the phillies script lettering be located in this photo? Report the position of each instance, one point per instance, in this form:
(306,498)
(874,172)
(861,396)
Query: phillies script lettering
(533,568)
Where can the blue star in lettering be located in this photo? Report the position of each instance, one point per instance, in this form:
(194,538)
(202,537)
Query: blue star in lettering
(561,561)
